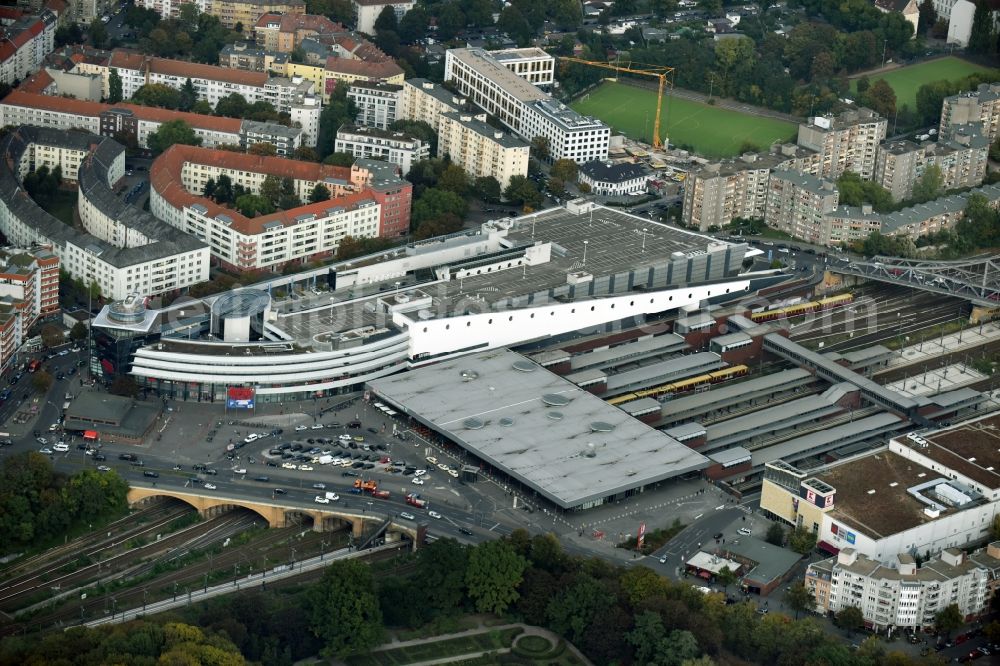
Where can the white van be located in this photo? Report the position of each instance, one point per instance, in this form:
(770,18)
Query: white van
(60,447)
(252,437)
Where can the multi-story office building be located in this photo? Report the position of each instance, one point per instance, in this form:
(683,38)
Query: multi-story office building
(244,14)
(294,96)
(532,64)
(24,43)
(377,103)
(481,149)
(904,595)
(366,12)
(131,122)
(797,203)
(847,142)
(29,289)
(299,235)
(372,143)
(525,109)
(979,106)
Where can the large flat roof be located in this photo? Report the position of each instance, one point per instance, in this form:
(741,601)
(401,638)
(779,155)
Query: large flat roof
(971,449)
(890,508)
(512,417)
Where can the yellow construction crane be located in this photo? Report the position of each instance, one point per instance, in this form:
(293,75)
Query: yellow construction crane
(662,73)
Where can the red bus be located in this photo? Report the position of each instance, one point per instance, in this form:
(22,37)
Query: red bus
(34,365)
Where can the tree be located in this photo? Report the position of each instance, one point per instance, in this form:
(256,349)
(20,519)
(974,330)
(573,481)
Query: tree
(339,111)
(929,100)
(493,575)
(157,94)
(114,86)
(233,105)
(725,577)
(413,26)
(454,179)
(565,169)
(572,611)
(982,41)
(513,22)
(948,619)
(799,598)
(42,381)
(124,385)
(52,335)
(487,188)
(882,98)
(520,191)
(995,150)
(775,535)
(251,205)
(351,247)
(98,34)
(340,159)
(202,107)
(928,16)
(263,148)
(441,571)
(188,94)
(940,29)
(344,611)
(306,154)
(802,540)
(450,21)
(78,332)
(435,203)
(417,129)
(930,184)
(68,33)
(320,192)
(386,19)
(171,132)
(270,189)
(850,619)
(223,191)
(540,148)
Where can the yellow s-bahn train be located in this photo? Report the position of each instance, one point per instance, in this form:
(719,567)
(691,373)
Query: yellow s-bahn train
(800,309)
(684,385)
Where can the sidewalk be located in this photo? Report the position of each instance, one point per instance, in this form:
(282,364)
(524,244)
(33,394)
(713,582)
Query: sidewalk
(927,351)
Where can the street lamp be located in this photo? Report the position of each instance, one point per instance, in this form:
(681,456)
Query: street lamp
(585,244)
(644,232)
(144,600)
(322,550)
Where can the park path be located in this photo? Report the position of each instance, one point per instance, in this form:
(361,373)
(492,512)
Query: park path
(528,630)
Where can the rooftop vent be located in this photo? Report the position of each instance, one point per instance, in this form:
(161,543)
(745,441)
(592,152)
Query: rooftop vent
(506,422)
(555,400)
(472,423)
(871,492)
(555,416)
(601,426)
(524,366)
(469,375)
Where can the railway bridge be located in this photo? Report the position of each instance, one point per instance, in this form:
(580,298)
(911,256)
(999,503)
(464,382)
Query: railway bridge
(325,518)
(975,279)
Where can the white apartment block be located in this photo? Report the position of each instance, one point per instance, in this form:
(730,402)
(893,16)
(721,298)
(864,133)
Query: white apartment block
(902,594)
(171,8)
(481,149)
(978,106)
(378,103)
(24,45)
(308,232)
(848,142)
(366,12)
(295,96)
(797,204)
(372,143)
(532,64)
(425,101)
(615,180)
(526,110)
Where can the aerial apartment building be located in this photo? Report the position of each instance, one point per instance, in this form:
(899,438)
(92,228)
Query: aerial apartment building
(846,142)
(29,289)
(294,96)
(377,102)
(481,149)
(366,12)
(524,108)
(797,203)
(961,157)
(396,148)
(24,43)
(978,106)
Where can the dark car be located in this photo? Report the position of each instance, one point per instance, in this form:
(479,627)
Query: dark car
(354,425)
(152,475)
(465,530)
(126,456)
(349,473)
(374,431)
(280,491)
(262,479)
(211,472)
(100,456)
(271,464)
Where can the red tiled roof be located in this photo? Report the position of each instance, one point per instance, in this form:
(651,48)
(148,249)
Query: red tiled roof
(165,177)
(10,13)
(294,22)
(37,82)
(82,107)
(137,61)
(374,70)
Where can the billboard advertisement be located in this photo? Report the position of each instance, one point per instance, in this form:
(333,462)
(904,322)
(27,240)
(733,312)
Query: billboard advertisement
(239,398)
(642,536)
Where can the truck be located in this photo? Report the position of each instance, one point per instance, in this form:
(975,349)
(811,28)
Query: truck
(324,460)
(370,485)
(413,500)
(332,496)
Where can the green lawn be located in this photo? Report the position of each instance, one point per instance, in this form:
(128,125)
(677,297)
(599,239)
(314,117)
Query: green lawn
(905,81)
(62,206)
(709,130)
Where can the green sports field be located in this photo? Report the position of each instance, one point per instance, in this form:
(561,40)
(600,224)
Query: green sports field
(711,131)
(905,81)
